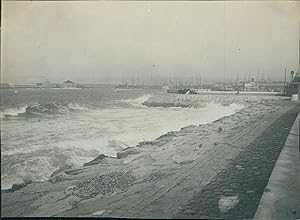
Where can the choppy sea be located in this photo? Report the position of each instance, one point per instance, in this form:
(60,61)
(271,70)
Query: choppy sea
(44,129)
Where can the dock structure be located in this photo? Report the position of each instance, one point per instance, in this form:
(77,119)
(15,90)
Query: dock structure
(294,86)
(281,199)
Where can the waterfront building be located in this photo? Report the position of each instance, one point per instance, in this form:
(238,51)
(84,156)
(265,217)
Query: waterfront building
(45,84)
(6,86)
(69,84)
(294,86)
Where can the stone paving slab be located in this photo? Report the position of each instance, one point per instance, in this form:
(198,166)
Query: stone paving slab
(236,191)
(166,197)
(175,192)
(281,199)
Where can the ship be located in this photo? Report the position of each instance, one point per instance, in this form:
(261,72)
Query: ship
(182,91)
(129,86)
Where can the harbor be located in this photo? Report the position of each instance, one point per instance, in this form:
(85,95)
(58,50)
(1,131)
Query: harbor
(215,165)
(150,109)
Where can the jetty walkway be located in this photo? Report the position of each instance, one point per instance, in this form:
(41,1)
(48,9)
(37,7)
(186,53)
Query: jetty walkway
(281,199)
(232,178)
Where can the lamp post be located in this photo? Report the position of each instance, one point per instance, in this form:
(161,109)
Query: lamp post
(152,71)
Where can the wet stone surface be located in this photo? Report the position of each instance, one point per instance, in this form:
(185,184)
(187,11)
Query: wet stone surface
(104,184)
(245,178)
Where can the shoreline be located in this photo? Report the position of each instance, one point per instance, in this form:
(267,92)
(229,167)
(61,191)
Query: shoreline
(126,151)
(153,165)
(18,185)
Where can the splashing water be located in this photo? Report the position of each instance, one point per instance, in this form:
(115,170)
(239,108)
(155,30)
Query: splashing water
(36,146)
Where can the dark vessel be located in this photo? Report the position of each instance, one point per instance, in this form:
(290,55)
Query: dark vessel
(182,91)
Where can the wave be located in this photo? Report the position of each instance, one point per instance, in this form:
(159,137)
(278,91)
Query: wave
(48,108)
(109,132)
(138,102)
(54,107)
(13,111)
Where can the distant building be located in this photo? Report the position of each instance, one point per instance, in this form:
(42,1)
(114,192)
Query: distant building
(251,87)
(6,86)
(294,86)
(69,84)
(45,84)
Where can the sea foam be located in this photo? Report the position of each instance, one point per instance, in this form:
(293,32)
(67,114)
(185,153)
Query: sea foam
(39,109)
(13,111)
(78,138)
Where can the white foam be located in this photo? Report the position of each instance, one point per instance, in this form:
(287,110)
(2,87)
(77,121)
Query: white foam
(75,106)
(6,151)
(37,169)
(79,138)
(13,111)
(123,128)
(138,101)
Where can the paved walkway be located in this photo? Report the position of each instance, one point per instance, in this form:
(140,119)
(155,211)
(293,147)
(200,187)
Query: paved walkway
(281,199)
(236,191)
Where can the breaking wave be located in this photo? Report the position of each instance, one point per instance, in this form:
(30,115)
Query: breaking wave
(48,108)
(13,111)
(138,102)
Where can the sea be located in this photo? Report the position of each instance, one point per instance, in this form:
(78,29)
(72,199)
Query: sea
(45,129)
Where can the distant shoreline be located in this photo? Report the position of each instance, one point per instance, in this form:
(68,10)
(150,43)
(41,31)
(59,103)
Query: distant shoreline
(121,89)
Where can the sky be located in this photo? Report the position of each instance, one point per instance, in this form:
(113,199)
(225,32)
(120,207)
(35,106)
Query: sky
(111,41)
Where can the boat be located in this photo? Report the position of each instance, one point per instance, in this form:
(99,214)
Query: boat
(129,86)
(182,91)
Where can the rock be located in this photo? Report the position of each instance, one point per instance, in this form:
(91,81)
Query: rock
(197,148)
(98,213)
(147,143)
(185,162)
(69,190)
(189,128)
(65,167)
(167,103)
(97,160)
(218,120)
(58,177)
(267,190)
(129,151)
(220,130)
(227,202)
(169,134)
(17,186)
(104,184)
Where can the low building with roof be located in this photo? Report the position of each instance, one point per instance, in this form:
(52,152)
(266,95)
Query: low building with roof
(6,86)
(294,86)
(69,84)
(45,84)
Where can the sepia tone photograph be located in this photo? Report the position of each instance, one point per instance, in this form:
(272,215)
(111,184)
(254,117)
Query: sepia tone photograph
(150,109)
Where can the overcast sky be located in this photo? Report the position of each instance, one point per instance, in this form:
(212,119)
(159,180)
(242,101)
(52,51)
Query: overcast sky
(101,41)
